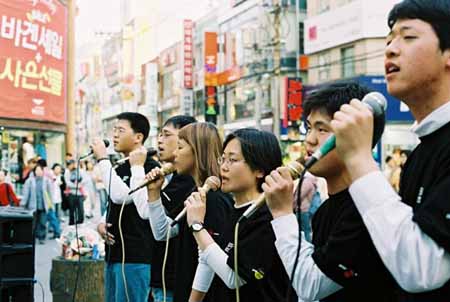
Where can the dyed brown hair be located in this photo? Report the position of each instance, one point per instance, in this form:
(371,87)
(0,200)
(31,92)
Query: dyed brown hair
(206,144)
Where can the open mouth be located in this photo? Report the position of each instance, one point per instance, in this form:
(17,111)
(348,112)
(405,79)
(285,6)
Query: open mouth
(391,68)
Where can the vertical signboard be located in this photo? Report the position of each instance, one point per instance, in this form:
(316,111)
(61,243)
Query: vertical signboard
(211,105)
(293,102)
(188,53)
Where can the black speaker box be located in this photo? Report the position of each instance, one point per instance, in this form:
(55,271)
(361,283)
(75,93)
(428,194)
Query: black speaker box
(16,254)
(17,290)
(16,226)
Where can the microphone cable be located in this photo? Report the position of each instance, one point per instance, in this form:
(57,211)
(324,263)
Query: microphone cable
(166,253)
(298,214)
(236,271)
(75,214)
(123,250)
(108,212)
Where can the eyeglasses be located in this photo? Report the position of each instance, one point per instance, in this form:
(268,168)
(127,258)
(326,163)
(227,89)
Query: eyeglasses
(228,161)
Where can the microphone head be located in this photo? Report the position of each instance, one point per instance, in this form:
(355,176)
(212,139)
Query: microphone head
(106,142)
(167,168)
(376,101)
(213,182)
(151,151)
(378,104)
(295,168)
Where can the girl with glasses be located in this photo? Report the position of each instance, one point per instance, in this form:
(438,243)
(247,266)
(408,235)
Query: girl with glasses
(249,156)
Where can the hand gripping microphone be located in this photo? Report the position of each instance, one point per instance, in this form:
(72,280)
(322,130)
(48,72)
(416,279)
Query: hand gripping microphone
(295,168)
(166,169)
(91,152)
(211,183)
(377,103)
(150,152)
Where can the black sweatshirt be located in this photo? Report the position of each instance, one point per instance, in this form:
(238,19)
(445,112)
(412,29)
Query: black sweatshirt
(136,231)
(425,186)
(344,252)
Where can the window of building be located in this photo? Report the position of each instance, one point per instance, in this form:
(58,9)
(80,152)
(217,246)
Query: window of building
(302,4)
(348,62)
(301,33)
(324,66)
(324,5)
(167,85)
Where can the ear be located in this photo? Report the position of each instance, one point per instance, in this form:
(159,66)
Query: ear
(447,58)
(139,138)
(259,174)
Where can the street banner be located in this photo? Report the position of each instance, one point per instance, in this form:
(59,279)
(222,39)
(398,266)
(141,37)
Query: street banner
(33,52)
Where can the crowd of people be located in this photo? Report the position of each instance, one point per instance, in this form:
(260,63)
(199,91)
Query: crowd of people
(50,193)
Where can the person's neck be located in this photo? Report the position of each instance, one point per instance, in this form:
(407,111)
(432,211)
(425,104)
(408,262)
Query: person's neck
(246,196)
(338,183)
(127,152)
(426,101)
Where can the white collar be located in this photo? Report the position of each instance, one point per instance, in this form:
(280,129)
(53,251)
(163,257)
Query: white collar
(435,120)
(244,204)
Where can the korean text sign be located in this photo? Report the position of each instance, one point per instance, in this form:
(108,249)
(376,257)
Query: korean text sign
(33,49)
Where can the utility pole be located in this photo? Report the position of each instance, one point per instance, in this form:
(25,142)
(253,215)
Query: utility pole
(70,136)
(277,70)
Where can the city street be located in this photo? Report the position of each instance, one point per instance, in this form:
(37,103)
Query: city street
(43,264)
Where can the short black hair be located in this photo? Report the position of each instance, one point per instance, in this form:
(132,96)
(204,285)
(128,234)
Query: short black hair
(56,165)
(434,12)
(42,162)
(260,149)
(138,122)
(331,97)
(179,121)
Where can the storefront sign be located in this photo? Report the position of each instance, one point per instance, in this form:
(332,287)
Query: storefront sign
(293,102)
(356,20)
(33,60)
(188,53)
(110,58)
(211,105)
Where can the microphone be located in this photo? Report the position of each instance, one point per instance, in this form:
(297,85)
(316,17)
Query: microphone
(150,152)
(377,103)
(295,168)
(165,170)
(211,183)
(91,152)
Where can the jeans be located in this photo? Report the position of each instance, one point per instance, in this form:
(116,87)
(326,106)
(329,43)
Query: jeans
(53,222)
(158,295)
(103,201)
(41,224)
(137,280)
(76,211)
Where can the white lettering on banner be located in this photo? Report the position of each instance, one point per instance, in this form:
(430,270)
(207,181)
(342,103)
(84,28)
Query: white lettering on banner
(48,80)
(52,42)
(38,109)
(7,27)
(30,35)
(37,15)
(49,3)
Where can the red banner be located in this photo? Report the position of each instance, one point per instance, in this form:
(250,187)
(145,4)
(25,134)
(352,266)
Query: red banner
(33,60)
(294,99)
